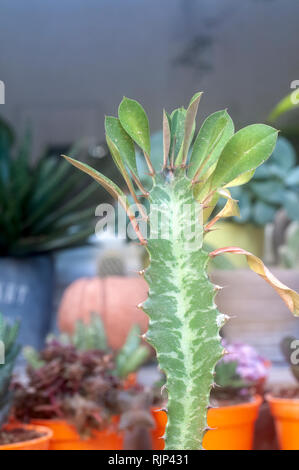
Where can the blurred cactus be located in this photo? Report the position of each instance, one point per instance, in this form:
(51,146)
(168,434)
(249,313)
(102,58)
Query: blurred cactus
(289,252)
(90,336)
(132,355)
(8,339)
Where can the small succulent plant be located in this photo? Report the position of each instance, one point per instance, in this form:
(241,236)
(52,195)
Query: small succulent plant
(239,372)
(184,189)
(92,336)
(9,350)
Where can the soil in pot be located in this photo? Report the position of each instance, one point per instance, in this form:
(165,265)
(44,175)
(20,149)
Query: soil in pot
(14,435)
(233,426)
(25,437)
(284,405)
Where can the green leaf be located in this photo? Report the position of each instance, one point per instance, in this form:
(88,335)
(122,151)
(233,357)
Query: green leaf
(54,242)
(135,122)
(111,187)
(289,102)
(242,179)
(177,117)
(75,218)
(216,130)
(166,137)
(90,336)
(132,355)
(131,363)
(190,124)
(67,208)
(122,141)
(245,151)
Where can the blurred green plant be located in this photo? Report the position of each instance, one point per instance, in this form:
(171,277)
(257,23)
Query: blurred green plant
(274,186)
(92,336)
(8,339)
(289,252)
(43,206)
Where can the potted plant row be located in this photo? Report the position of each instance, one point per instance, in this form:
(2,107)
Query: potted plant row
(86,394)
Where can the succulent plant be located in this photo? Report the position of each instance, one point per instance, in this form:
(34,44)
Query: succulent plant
(184,321)
(239,372)
(92,336)
(78,385)
(10,350)
(38,210)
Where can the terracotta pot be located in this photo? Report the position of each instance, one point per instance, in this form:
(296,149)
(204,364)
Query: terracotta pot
(114,298)
(233,427)
(286,415)
(65,437)
(258,316)
(40,443)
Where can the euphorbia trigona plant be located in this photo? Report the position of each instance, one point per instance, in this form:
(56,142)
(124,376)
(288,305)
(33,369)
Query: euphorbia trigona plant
(184,321)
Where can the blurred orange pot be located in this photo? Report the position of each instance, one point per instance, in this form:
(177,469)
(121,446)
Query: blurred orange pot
(234,427)
(286,415)
(114,298)
(65,437)
(40,443)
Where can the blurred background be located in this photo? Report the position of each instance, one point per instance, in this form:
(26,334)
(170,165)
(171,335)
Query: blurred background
(65,64)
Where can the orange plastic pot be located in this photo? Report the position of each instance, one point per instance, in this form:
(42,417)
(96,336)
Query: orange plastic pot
(286,416)
(65,437)
(40,443)
(233,427)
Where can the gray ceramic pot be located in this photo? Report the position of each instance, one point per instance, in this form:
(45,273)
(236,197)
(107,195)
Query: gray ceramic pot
(26,292)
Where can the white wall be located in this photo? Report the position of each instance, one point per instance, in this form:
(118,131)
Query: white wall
(65,63)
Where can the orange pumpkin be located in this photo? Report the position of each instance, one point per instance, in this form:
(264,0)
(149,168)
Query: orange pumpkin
(114,298)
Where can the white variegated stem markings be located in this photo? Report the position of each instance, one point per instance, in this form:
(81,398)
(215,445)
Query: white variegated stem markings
(184,321)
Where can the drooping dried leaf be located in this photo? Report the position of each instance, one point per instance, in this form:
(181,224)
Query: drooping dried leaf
(289,296)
